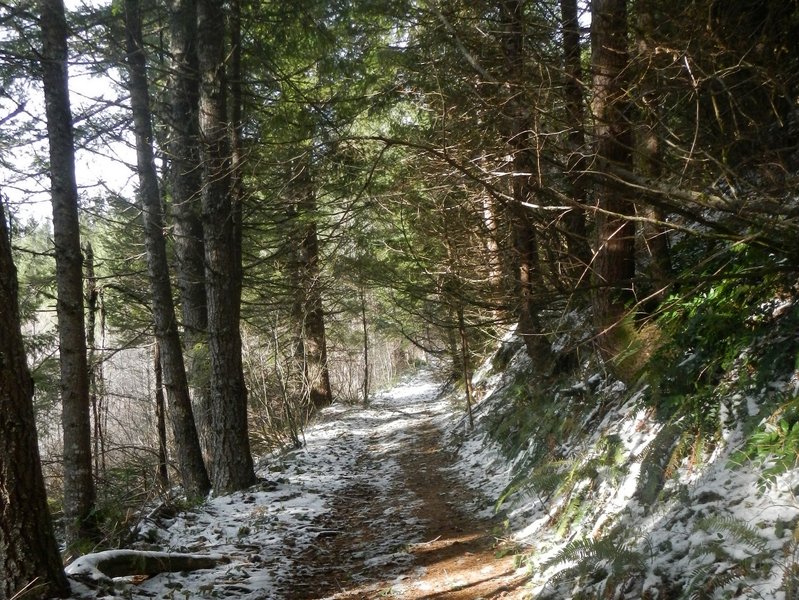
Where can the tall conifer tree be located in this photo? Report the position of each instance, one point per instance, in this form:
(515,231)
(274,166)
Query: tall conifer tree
(231,461)
(79,490)
(192,468)
(30,564)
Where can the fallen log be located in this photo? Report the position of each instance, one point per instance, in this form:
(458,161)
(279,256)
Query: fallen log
(103,566)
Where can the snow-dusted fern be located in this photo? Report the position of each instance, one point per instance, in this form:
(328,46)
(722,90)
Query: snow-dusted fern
(607,563)
(726,568)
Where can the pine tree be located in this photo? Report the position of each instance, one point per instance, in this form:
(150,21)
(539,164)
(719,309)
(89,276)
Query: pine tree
(187,443)
(79,490)
(614,263)
(232,465)
(30,564)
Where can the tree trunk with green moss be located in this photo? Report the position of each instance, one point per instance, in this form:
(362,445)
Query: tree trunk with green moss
(614,261)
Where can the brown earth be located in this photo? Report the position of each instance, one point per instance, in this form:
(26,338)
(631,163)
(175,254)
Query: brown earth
(460,557)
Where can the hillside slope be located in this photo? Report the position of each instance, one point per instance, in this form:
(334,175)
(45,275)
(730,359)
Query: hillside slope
(676,486)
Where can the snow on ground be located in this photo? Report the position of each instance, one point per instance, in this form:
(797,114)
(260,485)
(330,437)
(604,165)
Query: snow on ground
(264,530)
(268,531)
(712,513)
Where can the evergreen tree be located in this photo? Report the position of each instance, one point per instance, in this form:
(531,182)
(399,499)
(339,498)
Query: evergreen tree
(614,264)
(30,564)
(231,461)
(186,204)
(79,490)
(192,468)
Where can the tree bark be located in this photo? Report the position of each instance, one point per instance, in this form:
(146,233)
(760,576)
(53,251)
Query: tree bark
(529,279)
(466,365)
(492,251)
(92,294)
(576,234)
(30,564)
(186,207)
(655,236)
(232,466)
(160,420)
(79,490)
(187,444)
(365,343)
(307,308)
(614,263)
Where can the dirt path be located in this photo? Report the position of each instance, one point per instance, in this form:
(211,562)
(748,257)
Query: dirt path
(442,551)
(369,507)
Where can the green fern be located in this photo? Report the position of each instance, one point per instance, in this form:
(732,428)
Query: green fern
(704,583)
(546,479)
(570,513)
(725,570)
(572,480)
(775,445)
(607,562)
(739,530)
(790,580)
(656,460)
(587,552)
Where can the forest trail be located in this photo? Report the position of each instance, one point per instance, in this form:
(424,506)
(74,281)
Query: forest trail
(371,507)
(454,554)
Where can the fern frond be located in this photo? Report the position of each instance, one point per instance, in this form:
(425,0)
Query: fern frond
(739,530)
(654,463)
(724,570)
(790,581)
(697,450)
(619,556)
(574,551)
(681,449)
(568,574)
(544,479)
(700,574)
(703,584)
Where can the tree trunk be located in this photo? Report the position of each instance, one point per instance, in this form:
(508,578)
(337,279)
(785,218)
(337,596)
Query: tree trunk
(655,236)
(92,294)
(311,345)
(614,264)
(232,466)
(466,365)
(492,252)
(189,454)
(365,332)
(28,551)
(529,279)
(160,419)
(186,180)
(236,115)
(576,234)
(79,491)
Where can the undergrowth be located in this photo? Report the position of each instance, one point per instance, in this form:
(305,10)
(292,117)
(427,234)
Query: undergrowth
(604,565)
(774,445)
(723,346)
(721,569)
(724,351)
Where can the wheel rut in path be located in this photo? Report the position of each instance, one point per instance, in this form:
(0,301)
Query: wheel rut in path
(405,527)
